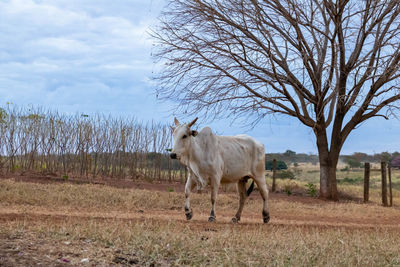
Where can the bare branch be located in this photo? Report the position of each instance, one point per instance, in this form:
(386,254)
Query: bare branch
(323,62)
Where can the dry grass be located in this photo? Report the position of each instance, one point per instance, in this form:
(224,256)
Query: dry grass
(180,243)
(50,223)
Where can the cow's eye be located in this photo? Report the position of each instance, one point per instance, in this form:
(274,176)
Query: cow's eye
(183,137)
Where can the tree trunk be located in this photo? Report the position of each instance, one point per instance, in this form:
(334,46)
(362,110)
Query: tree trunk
(328,185)
(328,161)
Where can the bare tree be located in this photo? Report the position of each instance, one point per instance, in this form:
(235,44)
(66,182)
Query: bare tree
(330,64)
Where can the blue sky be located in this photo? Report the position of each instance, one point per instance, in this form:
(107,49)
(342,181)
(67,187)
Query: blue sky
(81,56)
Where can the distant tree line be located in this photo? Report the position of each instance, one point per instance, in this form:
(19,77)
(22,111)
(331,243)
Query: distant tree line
(363,157)
(290,156)
(37,140)
(354,160)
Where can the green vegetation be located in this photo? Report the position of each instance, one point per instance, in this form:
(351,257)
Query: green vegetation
(288,190)
(351,180)
(353,163)
(280,165)
(311,189)
(285,174)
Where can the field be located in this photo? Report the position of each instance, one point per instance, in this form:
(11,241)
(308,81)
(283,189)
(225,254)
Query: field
(350,182)
(127,223)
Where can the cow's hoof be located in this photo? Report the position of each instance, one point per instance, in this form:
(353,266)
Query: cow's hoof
(211,219)
(266,217)
(189,215)
(235,220)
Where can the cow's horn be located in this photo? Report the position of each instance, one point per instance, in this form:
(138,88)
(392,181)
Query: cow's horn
(193,122)
(176,121)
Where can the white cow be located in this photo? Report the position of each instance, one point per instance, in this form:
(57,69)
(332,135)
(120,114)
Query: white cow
(213,160)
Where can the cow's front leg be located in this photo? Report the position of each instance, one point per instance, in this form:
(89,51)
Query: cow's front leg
(214,192)
(188,189)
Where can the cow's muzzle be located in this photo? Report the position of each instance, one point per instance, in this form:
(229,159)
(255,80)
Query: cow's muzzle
(173,156)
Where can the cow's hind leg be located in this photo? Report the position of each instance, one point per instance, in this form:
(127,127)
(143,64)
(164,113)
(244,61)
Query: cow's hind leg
(262,186)
(242,199)
(190,184)
(214,192)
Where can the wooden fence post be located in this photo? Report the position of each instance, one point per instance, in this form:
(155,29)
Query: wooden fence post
(390,185)
(273,175)
(366,181)
(384,184)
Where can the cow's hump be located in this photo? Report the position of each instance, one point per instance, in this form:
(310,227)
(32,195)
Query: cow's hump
(207,140)
(206,131)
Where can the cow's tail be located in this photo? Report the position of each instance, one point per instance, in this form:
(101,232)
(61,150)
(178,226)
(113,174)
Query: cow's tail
(250,188)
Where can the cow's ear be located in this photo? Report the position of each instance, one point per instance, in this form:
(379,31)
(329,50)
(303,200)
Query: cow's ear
(176,121)
(194,133)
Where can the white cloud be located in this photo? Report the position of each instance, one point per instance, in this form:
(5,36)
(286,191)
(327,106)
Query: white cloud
(59,45)
(78,55)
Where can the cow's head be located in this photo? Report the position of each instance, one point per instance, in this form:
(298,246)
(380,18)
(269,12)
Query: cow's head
(182,135)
